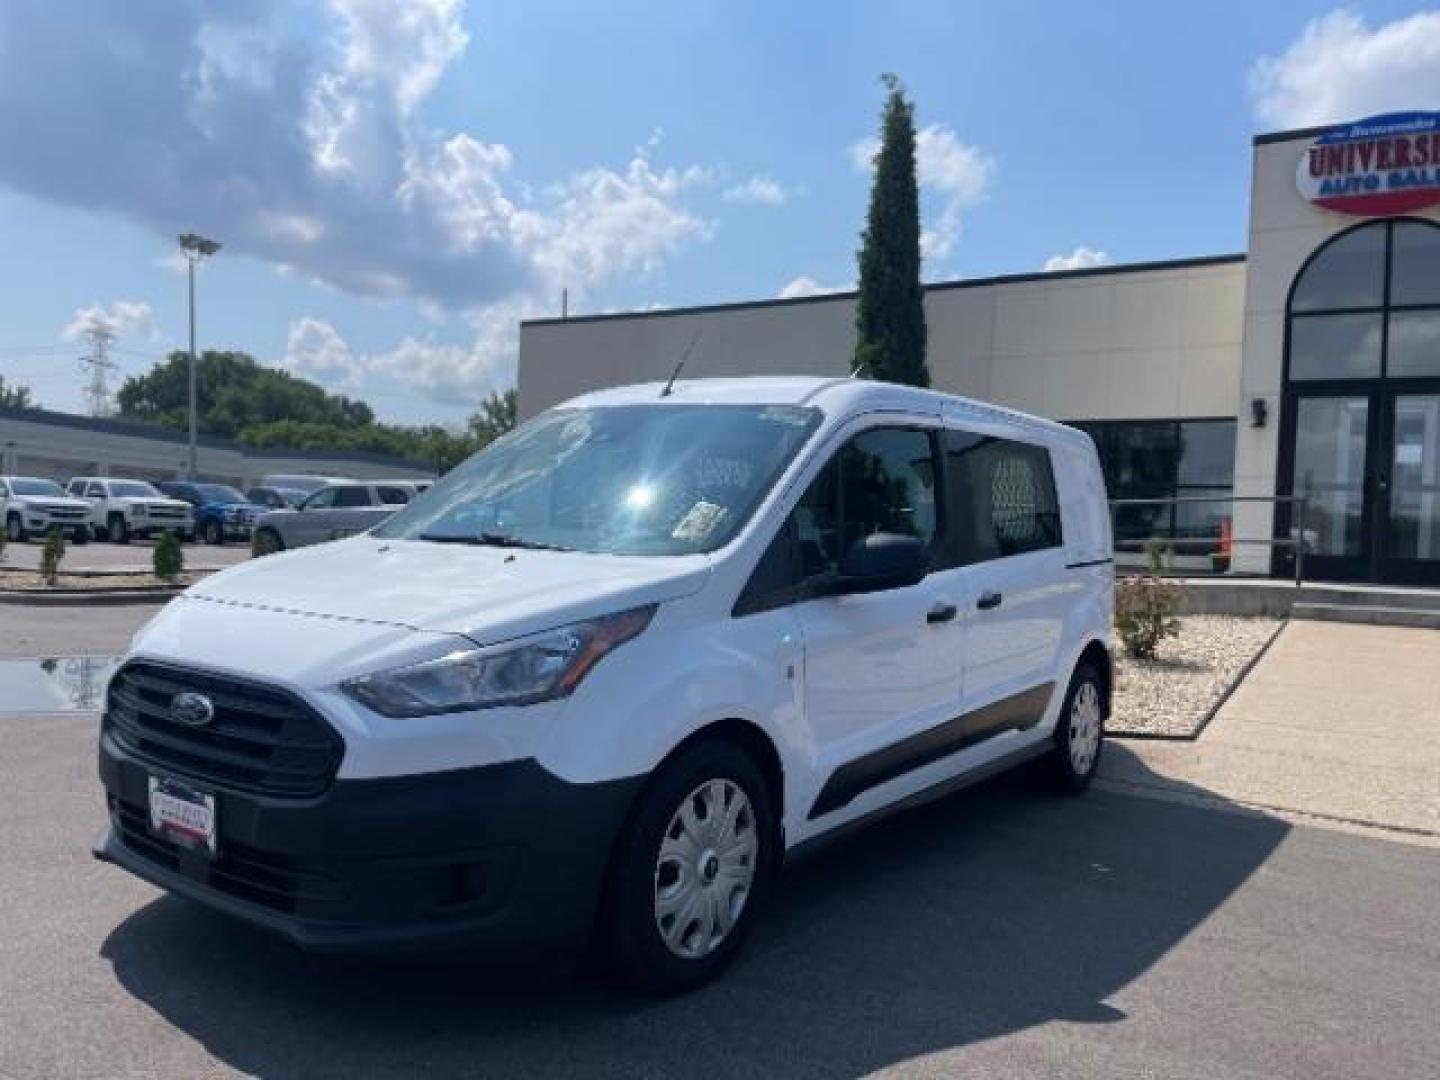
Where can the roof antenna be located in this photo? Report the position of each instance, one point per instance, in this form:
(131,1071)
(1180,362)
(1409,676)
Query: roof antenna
(694,339)
(863,365)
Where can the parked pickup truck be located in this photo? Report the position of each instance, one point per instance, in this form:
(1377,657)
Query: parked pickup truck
(221,512)
(332,513)
(30,507)
(120,509)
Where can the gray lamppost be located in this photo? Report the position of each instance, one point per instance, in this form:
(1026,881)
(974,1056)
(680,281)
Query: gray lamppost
(194,248)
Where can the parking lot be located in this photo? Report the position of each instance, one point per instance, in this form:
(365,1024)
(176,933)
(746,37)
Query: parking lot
(1004,932)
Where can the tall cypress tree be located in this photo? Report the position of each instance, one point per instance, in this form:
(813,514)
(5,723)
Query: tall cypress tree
(890,314)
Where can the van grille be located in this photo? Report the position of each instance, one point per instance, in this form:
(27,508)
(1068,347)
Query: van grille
(269,880)
(261,738)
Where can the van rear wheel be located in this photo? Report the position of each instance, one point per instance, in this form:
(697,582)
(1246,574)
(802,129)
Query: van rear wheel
(691,870)
(1080,731)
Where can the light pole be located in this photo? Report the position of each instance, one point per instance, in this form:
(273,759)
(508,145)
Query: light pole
(194,248)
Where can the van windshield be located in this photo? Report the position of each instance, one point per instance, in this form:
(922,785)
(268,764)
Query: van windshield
(661,479)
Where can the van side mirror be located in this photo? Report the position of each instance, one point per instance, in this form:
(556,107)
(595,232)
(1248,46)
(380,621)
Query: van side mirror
(883,561)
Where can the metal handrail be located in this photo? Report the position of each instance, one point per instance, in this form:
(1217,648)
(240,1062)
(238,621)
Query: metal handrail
(1300,541)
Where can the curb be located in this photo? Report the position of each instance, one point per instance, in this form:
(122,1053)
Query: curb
(1225,695)
(84,597)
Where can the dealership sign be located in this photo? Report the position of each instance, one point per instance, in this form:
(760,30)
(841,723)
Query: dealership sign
(1384,165)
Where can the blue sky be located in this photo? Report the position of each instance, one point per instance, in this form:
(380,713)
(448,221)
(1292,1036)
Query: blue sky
(396,184)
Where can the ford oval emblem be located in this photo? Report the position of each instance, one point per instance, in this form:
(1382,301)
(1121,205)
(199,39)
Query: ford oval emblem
(191,709)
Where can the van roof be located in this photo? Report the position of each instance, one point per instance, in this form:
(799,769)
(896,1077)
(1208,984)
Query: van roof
(832,395)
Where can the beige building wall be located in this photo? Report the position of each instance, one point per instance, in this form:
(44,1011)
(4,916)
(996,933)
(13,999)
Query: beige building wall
(1285,230)
(1156,341)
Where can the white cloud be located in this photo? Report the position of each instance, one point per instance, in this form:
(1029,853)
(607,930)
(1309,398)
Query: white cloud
(758,191)
(957,174)
(805,285)
(1339,69)
(604,223)
(123,318)
(315,348)
(1081,258)
(303,142)
(445,371)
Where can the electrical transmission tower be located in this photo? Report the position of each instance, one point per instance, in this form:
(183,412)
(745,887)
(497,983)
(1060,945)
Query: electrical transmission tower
(99,366)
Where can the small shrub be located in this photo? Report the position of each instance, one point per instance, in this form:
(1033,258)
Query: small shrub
(168,559)
(52,554)
(1145,608)
(1157,554)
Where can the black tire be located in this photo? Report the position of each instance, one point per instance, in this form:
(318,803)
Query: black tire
(15,529)
(1070,769)
(80,536)
(214,532)
(267,542)
(116,531)
(630,926)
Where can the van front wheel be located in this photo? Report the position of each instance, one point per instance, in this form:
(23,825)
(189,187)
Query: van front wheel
(1080,731)
(691,870)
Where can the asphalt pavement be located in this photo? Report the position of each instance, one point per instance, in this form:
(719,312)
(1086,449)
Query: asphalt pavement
(1003,932)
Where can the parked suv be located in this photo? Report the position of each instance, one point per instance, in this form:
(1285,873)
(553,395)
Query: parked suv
(332,513)
(615,669)
(121,509)
(276,498)
(221,512)
(30,506)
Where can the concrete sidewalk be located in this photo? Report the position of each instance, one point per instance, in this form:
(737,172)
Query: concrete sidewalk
(1337,722)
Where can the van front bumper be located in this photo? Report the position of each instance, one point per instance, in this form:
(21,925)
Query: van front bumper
(503,858)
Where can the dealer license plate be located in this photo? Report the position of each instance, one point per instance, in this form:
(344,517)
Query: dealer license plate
(180,813)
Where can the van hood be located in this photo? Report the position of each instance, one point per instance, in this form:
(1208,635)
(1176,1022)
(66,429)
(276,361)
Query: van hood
(488,594)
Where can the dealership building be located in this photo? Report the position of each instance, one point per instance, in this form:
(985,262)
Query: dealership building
(1307,366)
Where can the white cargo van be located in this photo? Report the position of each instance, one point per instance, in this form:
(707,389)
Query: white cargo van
(606,676)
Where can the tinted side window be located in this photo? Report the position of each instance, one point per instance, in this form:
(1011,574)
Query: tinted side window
(1003,497)
(321,500)
(882,480)
(352,496)
(95,491)
(393,496)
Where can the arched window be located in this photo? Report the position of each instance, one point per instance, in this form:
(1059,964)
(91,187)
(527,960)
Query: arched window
(1367,305)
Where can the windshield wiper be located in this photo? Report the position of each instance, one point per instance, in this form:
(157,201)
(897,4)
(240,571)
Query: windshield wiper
(493,539)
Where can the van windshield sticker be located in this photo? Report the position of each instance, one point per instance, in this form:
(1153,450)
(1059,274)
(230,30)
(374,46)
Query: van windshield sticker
(699,522)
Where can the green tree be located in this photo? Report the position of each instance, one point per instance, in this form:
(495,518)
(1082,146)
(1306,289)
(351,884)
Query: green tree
(233,393)
(168,559)
(495,417)
(15,396)
(890,312)
(266,407)
(52,554)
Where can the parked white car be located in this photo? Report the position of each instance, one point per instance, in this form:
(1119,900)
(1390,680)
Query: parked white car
(122,509)
(31,506)
(610,673)
(331,513)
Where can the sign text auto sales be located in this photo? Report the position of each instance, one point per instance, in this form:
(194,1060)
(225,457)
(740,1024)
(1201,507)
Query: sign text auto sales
(1383,165)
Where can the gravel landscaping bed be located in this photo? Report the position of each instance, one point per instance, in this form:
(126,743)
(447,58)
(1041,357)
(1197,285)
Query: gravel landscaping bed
(1172,694)
(31,581)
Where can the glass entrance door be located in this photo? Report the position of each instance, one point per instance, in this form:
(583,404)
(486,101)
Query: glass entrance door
(1332,446)
(1411,537)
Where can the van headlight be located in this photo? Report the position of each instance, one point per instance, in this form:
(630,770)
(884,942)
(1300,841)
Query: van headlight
(537,668)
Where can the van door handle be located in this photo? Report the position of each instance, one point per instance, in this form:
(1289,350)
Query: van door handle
(989,599)
(941,612)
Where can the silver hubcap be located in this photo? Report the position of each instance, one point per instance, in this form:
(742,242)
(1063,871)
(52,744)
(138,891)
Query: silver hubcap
(706,868)
(1085,725)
